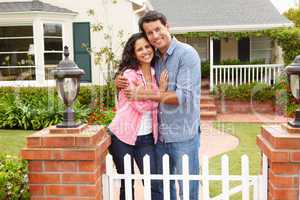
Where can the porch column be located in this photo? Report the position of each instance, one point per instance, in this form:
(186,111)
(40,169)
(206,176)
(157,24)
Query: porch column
(281,145)
(66,163)
(211,63)
(38,36)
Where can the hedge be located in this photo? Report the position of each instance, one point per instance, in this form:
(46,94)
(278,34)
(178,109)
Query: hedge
(36,108)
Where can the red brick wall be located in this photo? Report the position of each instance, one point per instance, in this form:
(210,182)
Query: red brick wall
(66,166)
(283,151)
(229,106)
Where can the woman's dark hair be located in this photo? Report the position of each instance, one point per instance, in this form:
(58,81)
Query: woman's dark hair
(129,60)
(152,16)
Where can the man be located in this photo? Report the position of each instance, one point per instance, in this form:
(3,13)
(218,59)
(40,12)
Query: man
(179,109)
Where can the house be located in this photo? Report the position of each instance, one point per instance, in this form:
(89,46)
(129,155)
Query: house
(229,16)
(33,34)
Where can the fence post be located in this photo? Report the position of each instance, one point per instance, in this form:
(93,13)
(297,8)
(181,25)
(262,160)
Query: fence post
(245,177)
(225,177)
(205,178)
(166,177)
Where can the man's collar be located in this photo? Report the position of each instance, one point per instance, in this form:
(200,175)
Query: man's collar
(171,47)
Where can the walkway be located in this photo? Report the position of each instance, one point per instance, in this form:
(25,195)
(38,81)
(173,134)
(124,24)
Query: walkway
(215,142)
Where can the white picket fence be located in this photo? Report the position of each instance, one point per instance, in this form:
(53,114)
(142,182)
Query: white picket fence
(258,183)
(242,74)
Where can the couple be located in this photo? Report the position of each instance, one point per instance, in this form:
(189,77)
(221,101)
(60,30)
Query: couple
(158,109)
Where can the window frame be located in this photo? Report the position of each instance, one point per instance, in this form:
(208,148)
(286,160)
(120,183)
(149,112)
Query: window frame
(47,37)
(19,52)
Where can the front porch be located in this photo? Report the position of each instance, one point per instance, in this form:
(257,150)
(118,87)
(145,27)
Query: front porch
(237,61)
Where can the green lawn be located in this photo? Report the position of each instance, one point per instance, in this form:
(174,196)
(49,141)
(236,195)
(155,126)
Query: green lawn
(12,141)
(246,133)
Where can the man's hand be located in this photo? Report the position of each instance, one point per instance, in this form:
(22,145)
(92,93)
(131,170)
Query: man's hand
(121,82)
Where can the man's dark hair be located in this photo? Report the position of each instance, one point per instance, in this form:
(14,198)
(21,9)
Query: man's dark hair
(151,16)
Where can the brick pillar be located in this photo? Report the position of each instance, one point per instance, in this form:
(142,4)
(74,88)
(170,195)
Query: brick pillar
(66,163)
(281,144)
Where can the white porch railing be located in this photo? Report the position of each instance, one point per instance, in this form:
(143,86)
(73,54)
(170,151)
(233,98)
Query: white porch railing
(242,74)
(258,183)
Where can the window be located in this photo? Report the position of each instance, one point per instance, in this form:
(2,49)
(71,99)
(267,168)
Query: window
(261,49)
(53,44)
(16,53)
(200,44)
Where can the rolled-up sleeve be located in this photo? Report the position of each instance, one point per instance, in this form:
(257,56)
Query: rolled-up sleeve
(140,106)
(189,71)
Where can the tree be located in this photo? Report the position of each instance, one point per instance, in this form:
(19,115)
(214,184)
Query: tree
(293,14)
(108,55)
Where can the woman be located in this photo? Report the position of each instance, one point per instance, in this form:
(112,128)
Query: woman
(134,128)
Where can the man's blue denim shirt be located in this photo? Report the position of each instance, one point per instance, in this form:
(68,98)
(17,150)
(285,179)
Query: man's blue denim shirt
(181,122)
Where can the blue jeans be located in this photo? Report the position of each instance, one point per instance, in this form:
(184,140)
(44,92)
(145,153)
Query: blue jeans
(176,150)
(143,145)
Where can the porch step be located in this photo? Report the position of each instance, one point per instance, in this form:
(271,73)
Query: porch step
(208,115)
(205,84)
(208,107)
(206,99)
(205,92)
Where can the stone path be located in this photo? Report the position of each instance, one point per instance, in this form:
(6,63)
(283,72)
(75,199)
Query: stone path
(214,141)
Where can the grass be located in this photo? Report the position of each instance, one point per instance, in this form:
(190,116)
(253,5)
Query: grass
(246,133)
(12,141)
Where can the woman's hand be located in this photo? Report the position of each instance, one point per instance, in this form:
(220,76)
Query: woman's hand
(163,81)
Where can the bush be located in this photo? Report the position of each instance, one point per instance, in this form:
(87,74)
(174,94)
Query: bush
(13,178)
(102,115)
(105,94)
(205,69)
(37,108)
(245,92)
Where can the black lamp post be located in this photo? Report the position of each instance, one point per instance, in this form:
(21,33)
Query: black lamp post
(293,71)
(67,75)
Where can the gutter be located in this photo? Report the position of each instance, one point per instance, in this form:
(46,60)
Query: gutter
(229,28)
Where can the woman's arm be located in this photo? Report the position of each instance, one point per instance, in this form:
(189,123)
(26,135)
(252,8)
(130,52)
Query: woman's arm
(140,106)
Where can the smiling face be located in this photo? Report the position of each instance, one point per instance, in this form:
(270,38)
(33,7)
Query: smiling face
(143,51)
(158,35)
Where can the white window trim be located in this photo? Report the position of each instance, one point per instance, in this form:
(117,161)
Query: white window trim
(46,37)
(16,52)
(37,22)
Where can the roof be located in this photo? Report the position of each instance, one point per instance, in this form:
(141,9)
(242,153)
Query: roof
(29,6)
(217,15)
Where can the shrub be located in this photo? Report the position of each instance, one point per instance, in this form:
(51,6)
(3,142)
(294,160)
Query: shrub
(205,69)
(245,92)
(13,178)
(35,108)
(89,94)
